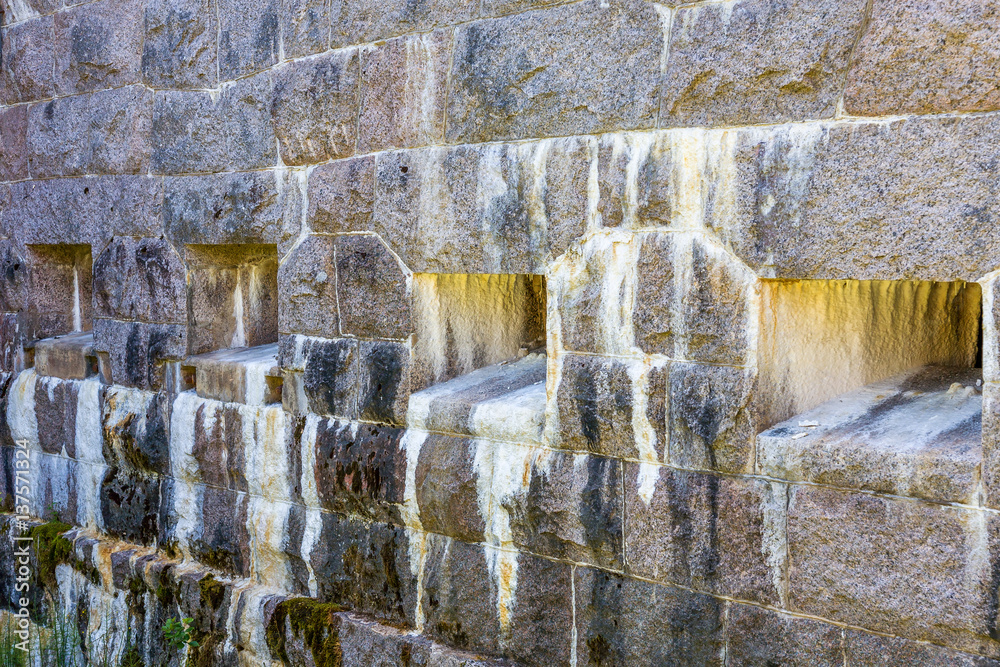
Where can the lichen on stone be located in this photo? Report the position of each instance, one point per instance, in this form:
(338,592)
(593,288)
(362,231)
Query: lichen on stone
(314,622)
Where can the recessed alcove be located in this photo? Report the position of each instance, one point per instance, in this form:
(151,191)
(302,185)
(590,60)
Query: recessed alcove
(823,338)
(233,323)
(232,296)
(61,289)
(465,322)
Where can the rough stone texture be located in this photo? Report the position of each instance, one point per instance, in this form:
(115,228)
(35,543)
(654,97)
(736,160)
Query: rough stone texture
(248,37)
(187,134)
(372,289)
(383,381)
(136,350)
(627,621)
(239,207)
(889,565)
(70,357)
(98,45)
(315,108)
(403,92)
(245,112)
(714,534)
(13,143)
(308,281)
(868,650)
(925,59)
(362,21)
(330,381)
(758,61)
(877,227)
(305,27)
(140,279)
(26,62)
(342,196)
(712,417)
(762,637)
(515,77)
(596,398)
(180,44)
(447,487)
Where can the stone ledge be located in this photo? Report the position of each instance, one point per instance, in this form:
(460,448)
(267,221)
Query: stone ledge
(247,375)
(917,434)
(70,357)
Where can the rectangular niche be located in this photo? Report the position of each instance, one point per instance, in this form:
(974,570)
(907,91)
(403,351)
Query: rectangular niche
(232,296)
(822,338)
(61,289)
(468,321)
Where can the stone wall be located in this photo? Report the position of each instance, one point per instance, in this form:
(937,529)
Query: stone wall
(473,322)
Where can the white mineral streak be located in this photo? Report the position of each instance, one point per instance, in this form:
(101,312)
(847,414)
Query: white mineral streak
(266,460)
(77,319)
(503,474)
(422,86)
(491,186)
(89,454)
(640,147)
(21,409)
(774,505)
(255,378)
(21,10)
(991,334)
(183,465)
(310,496)
(239,334)
(645,433)
(411,442)
(537,155)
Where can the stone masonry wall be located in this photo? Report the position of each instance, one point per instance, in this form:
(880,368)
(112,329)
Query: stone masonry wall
(366,204)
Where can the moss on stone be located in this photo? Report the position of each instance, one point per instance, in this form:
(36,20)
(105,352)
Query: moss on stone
(51,550)
(213,592)
(315,622)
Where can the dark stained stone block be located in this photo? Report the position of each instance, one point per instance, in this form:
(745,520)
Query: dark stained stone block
(180,44)
(331,377)
(383,381)
(447,484)
(130,505)
(142,280)
(763,637)
(98,45)
(248,37)
(134,425)
(26,61)
(136,350)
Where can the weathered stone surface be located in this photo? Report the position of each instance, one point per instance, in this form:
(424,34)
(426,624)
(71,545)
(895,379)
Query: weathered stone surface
(142,280)
(240,207)
(444,210)
(990,465)
(912,435)
(403,90)
(502,7)
(342,196)
(248,37)
(70,357)
(136,350)
(920,175)
(758,61)
(504,401)
(221,539)
(305,27)
(761,637)
(596,397)
(26,61)
(371,289)
(383,381)
(530,622)
(16,12)
(867,650)
(13,143)
(622,621)
(16,274)
(716,534)
(98,45)
(130,505)
(897,566)
(55,412)
(917,58)
(180,44)
(245,112)
(360,469)
(712,418)
(245,375)
(714,304)
(307,283)
(330,382)
(134,425)
(361,21)
(13,332)
(447,484)
(60,295)
(188,134)
(83,210)
(514,78)
(315,108)
(106,132)
(570,507)
(365,567)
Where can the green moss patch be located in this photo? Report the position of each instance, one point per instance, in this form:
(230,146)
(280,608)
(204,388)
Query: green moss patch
(51,550)
(315,622)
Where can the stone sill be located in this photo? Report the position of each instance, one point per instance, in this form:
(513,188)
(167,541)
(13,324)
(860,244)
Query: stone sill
(918,434)
(501,402)
(68,357)
(248,375)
